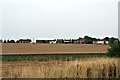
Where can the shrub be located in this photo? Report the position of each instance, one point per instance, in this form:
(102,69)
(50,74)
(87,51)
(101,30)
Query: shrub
(114,50)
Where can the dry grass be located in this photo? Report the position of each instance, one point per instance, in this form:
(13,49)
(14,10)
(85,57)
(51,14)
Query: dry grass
(83,68)
(52,48)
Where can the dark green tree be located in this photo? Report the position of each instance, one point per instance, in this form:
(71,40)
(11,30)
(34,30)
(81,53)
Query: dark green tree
(106,38)
(8,41)
(112,39)
(114,50)
(94,39)
(88,40)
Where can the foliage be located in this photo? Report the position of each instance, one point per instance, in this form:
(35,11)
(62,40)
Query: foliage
(112,40)
(106,38)
(114,50)
(88,40)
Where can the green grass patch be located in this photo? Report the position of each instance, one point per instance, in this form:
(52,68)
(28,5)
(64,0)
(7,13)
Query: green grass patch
(46,57)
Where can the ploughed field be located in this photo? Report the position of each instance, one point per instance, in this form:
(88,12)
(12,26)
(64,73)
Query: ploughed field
(19,48)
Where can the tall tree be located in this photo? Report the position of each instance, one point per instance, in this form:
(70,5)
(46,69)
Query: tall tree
(106,38)
(88,40)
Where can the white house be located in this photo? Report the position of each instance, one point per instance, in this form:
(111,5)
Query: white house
(106,42)
(98,42)
(52,42)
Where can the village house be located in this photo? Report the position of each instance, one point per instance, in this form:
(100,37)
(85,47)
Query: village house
(52,41)
(67,41)
(98,42)
(78,41)
(101,42)
(82,41)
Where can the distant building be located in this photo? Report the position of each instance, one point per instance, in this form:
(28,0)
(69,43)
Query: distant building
(75,41)
(46,41)
(99,42)
(67,41)
(42,41)
(78,41)
(82,41)
(106,42)
(60,41)
(24,41)
(52,41)
(95,42)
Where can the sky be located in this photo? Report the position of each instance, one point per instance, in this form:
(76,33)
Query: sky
(119,20)
(49,19)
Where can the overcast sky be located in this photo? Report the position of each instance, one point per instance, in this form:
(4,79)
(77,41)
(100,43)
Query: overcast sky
(58,18)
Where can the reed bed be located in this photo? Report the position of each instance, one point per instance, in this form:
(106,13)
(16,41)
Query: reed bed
(82,68)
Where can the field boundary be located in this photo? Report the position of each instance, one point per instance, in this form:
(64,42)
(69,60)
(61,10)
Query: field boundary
(19,54)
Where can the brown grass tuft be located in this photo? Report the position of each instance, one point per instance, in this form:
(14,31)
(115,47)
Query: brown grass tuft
(83,68)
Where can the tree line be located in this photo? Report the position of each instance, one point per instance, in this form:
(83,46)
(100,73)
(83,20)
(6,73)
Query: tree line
(87,39)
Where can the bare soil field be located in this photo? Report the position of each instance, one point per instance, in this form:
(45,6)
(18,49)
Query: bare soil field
(13,48)
(82,68)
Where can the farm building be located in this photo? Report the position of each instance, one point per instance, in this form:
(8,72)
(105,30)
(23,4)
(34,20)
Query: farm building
(24,41)
(46,41)
(95,42)
(42,41)
(78,41)
(75,41)
(101,42)
(60,41)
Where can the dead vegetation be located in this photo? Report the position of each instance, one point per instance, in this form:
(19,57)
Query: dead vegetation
(82,68)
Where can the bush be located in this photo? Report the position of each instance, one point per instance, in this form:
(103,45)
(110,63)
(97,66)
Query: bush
(114,50)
